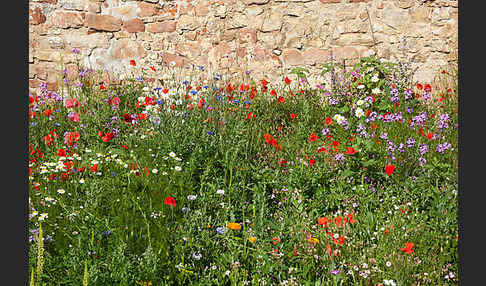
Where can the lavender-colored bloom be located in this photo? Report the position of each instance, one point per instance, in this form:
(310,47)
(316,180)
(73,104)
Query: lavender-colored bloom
(419,119)
(325,131)
(423,148)
(369,99)
(210,108)
(372,117)
(76,51)
(408,94)
(410,142)
(334,272)
(409,110)
(441,148)
(340,158)
(391,146)
(333,101)
(360,128)
(384,136)
(345,124)
(426,96)
(155,120)
(401,148)
(394,97)
(221,230)
(443,121)
(422,161)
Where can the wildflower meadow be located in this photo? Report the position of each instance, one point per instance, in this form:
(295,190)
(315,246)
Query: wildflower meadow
(244,181)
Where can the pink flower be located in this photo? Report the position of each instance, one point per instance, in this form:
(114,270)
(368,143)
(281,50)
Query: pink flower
(70,103)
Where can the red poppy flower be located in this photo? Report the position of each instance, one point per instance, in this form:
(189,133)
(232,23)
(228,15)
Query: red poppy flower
(142,116)
(94,168)
(328,120)
(250,115)
(273,92)
(127,118)
(47,112)
(408,247)
(283,162)
(152,68)
(312,162)
(322,149)
(61,153)
(125,147)
(47,139)
(389,169)
(133,63)
(350,218)
(102,86)
(350,151)
(293,116)
(264,82)
(170,201)
(335,143)
(338,220)
(108,136)
(313,137)
(419,86)
(427,87)
(268,137)
(281,99)
(323,221)
(430,135)
(287,80)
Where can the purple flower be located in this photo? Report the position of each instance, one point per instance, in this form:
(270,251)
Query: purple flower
(333,101)
(334,272)
(76,51)
(443,121)
(394,97)
(340,158)
(422,161)
(220,230)
(408,94)
(443,147)
(410,142)
(384,136)
(423,148)
(325,131)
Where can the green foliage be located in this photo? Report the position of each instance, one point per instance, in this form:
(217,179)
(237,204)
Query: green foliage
(102,199)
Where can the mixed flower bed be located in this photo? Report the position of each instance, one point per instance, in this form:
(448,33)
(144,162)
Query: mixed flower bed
(353,182)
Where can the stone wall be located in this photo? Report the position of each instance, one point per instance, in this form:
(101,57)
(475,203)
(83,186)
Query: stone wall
(267,37)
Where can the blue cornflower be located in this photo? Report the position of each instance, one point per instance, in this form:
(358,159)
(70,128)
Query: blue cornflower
(160,102)
(193,92)
(140,78)
(219,98)
(247,102)
(236,101)
(210,133)
(185,82)
(106,232)
(220,230)
(205,87)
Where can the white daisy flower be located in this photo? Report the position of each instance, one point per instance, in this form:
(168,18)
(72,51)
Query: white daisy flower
(359,112)
(376,90)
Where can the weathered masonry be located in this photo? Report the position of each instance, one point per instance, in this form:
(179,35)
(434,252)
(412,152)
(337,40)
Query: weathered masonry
(265,36)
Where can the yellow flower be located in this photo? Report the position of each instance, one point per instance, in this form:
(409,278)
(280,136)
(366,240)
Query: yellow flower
(252,239)
(234,226)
